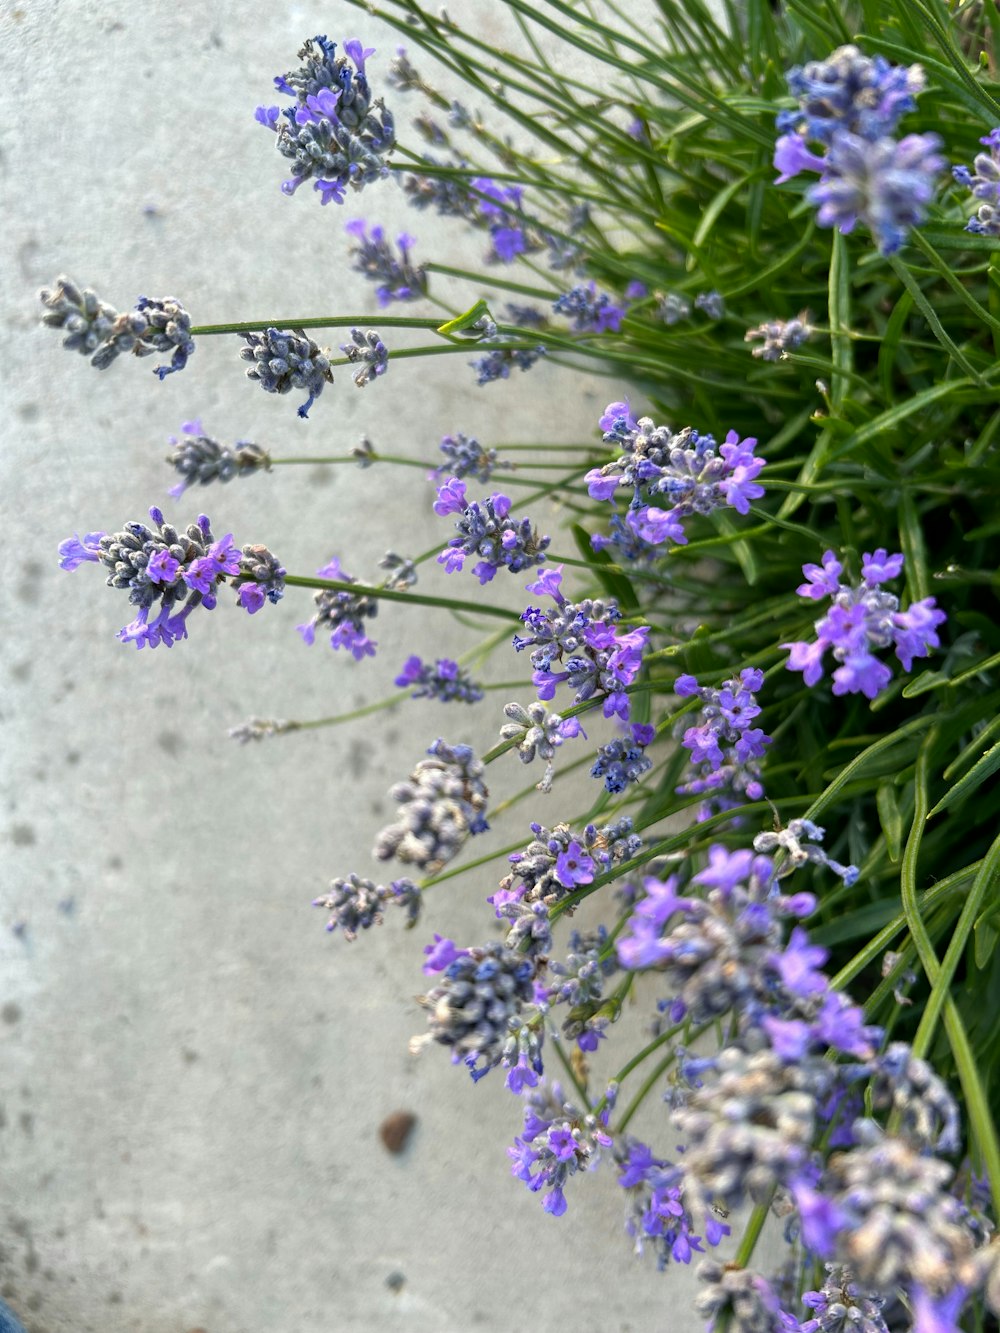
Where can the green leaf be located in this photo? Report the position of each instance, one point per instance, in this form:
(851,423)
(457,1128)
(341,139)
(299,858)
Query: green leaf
(930,314)
(976,776)
(893,417)
(985,936)
(890,343)
(927,680)
(911,536)
(840,318)
(462,322)
(890,817)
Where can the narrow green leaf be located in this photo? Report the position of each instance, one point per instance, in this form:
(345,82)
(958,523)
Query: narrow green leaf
(987,878)
(462,322)
(840,319)
(890,817)
(893,417)
(911,536)
(890,343)
(930,314)
(712,211)
(985,938)
(957,239)
(974,748)
(927,680)
(976,776)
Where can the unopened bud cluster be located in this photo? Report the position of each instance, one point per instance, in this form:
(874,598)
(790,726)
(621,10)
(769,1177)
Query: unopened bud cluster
(97,330)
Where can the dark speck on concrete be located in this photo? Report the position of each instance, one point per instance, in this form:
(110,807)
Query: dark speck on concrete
(21,671)
(23,835)
(11,1012)
(170,742)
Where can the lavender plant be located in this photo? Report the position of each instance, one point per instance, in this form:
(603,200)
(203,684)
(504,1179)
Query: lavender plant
(663,234)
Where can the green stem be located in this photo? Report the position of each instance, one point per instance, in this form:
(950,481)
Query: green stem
(394,595)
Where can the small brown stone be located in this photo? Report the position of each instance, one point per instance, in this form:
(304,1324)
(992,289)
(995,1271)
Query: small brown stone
(396,1129)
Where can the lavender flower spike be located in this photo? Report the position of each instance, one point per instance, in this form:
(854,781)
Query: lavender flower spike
(97,330)
(171,572)
(334,133)
(487,530)
(370,354)
(283,361)
(441,804)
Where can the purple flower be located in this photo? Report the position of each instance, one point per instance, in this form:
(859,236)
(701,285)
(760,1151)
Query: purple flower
(822,580)
(574,866)
(358,53)
(450,497)
(916,630)
(821,1219)
(792,156)
(548,584)
(797,965)
(73,552)
(618,419)
(441,954)
(252,597)
(521,1076)
(879,567)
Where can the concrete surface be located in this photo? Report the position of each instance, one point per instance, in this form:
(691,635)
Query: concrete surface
(192,1072)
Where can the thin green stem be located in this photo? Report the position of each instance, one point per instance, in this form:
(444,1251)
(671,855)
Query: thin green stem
(394,595)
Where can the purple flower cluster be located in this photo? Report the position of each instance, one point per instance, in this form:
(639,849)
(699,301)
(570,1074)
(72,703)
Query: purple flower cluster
(623,760)
(441,804)
(497,363)
(343,613)
(466,456)
(685,469)
(557,1141)
(356,904)
(578,981)
(444,680)
(583,639)
(283,361)
(508,236)
(720,951)
(884,1208)
(725,746)
(778,337)
(171,572)
(851,104)
(536,731)
(369,352)
(591,311)
(398,279)
(486,529)
(862,618)
(333,133)
(97,330)
(554,863)
(984,183)
(657,1215)
(201,460)
(476,1008)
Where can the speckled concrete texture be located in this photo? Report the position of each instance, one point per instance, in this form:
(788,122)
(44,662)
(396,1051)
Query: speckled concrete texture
(192,1073)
